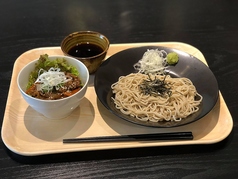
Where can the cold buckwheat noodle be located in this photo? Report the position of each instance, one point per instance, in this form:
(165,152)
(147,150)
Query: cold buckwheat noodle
(182,101)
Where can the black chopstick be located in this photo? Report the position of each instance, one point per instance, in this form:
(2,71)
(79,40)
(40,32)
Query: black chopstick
(134,137)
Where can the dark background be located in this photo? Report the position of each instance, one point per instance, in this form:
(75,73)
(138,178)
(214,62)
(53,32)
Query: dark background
(211,26)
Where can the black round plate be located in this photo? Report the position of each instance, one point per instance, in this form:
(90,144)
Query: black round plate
(121,64)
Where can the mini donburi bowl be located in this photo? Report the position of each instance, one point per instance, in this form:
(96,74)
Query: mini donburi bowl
(54,109)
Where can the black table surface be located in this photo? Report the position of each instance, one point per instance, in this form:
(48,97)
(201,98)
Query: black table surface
(211,26)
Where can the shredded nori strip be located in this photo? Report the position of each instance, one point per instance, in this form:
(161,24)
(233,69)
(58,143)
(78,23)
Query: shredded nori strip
(155,87)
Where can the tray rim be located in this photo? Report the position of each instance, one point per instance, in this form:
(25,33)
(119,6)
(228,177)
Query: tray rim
(75,149)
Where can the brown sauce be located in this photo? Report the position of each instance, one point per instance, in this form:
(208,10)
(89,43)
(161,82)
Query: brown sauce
(85,50)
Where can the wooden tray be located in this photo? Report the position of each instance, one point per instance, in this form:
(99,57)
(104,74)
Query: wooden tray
(26,132)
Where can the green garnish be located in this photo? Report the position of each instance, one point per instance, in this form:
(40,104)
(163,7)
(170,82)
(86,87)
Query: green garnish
(172,58)
(45,63)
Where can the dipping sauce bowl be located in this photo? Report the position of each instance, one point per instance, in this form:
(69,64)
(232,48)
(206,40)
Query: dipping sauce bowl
(87,46)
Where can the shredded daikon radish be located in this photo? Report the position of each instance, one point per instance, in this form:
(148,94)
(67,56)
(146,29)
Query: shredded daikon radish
(49,79)
(153,61)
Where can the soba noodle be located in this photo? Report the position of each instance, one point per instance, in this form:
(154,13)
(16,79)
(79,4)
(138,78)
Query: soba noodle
(130,100)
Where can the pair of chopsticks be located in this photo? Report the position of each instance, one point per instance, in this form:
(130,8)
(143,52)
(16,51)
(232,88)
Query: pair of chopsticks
(134,137)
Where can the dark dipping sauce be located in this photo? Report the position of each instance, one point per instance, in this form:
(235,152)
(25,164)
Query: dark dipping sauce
(85,50)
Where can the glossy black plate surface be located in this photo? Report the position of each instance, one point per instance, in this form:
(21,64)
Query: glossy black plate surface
(121,64)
